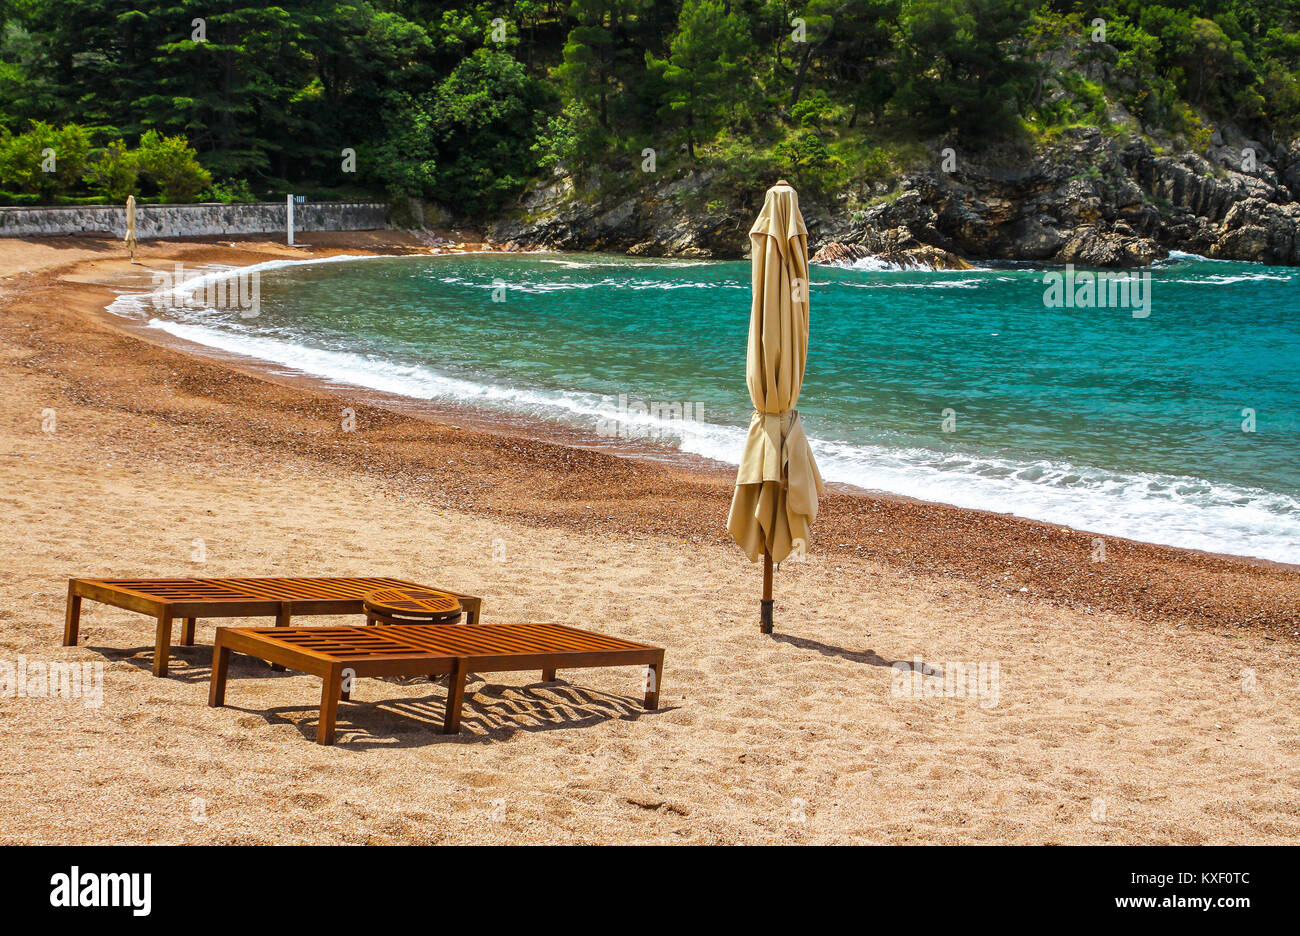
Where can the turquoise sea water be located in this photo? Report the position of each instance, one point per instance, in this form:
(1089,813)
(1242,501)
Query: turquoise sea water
(1086,416)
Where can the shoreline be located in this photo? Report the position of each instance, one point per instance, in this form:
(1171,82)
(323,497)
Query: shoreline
(538,428)
(916,534)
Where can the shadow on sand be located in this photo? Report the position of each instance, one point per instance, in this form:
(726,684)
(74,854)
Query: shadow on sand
(490,712)
(869,657)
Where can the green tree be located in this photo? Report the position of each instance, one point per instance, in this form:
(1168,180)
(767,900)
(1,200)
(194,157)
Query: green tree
(959,70)
(26,91)
(406,158)
(1280,83)
(594,53)
(231,88)
(820,19)
(705,54)
(485,116)
(366,66)
(859,58)
(1206,54)
(470,142)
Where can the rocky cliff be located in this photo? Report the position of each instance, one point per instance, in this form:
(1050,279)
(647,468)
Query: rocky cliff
(1091,199)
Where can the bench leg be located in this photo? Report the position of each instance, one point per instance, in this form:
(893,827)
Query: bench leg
(162,646)
(187,632)
(281,620)
(220,669)
(548,675)
(331,690)
(72,621)
(653,677)
(455,696)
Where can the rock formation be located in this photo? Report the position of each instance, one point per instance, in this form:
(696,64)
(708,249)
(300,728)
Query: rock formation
(1092,199)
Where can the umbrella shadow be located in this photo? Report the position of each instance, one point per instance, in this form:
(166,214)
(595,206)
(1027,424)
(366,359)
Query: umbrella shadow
(868,657)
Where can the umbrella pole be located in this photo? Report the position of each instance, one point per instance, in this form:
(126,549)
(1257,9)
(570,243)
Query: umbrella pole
(765,625)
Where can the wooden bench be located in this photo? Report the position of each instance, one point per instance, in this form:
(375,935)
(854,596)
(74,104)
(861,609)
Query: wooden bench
(192,598)
(339,655)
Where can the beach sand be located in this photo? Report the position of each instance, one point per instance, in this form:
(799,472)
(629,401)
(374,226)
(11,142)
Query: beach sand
(1149,698)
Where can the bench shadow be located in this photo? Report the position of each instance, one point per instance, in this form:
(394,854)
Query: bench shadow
(869,657)
(189,664)
(489,713)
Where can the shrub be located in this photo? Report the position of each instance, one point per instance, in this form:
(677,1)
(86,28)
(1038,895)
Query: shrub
(808,161)
(229,191)
(171,167)
(45,161)
(1196,132)
(875,164)
(570,139)
(814,111)
(113,172)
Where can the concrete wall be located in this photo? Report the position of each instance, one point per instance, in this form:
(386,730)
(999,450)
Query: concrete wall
(192,220)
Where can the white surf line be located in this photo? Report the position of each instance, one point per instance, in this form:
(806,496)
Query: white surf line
(895,473)
(138,300)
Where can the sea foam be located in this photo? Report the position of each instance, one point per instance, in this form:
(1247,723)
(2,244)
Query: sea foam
(1169,509)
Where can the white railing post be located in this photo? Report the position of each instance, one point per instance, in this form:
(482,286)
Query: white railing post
(288,207)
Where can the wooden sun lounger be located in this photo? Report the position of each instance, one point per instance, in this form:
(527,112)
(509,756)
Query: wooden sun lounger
(194,598)
(339,655)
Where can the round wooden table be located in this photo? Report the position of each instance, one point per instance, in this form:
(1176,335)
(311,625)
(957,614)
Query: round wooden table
(411,606)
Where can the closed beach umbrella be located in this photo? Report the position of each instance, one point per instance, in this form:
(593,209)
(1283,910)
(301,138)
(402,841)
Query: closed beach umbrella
(777,485)
(130,226)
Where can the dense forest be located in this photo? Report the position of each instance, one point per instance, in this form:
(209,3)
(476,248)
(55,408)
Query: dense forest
(464,103)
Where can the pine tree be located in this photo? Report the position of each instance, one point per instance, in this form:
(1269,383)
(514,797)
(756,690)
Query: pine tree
(591,53)
(705,55)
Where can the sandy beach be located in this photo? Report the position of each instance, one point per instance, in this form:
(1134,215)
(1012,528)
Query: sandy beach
(1145,699)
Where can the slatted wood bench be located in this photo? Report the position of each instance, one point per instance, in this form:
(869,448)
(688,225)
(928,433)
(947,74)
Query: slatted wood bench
(339,655)
(192,598)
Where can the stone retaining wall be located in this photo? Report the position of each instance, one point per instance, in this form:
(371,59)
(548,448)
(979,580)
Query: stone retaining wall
(191,220)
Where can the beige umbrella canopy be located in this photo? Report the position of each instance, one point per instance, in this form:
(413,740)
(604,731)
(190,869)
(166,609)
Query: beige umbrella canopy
(129,240)
(777,485)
